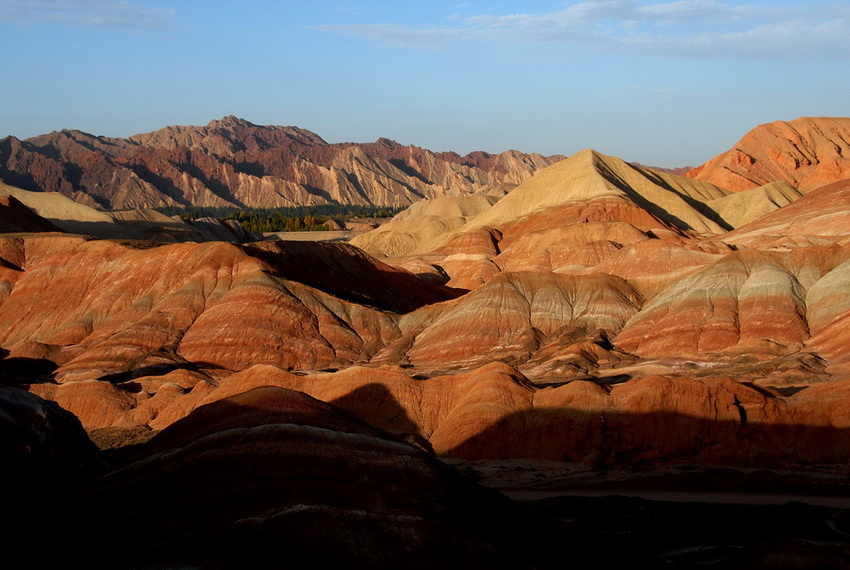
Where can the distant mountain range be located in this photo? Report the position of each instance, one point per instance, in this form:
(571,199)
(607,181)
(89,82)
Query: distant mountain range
(231,162)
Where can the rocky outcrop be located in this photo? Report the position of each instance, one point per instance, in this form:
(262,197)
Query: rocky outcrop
(231,162)
(806,153)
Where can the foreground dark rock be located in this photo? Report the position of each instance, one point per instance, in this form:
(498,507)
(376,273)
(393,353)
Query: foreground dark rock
(274,478)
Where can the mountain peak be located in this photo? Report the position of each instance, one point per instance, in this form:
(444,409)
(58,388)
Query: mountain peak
(230,121)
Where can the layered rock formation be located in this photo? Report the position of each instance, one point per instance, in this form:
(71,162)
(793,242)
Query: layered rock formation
(490,328)
(137,308)
(806,153)
(231,162)
(818,218)
(287,399)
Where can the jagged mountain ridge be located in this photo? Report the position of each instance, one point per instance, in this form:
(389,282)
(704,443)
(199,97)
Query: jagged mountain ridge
(232,162)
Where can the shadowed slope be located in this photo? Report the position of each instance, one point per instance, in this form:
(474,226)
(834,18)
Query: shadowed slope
(16,217)
(316,489)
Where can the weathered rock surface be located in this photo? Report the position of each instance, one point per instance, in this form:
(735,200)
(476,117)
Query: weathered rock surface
(820,217)
(528,311)
(215,305)
(748,205)
(806,153)
(231,162)
(423,223)
(744,302)
(495,412)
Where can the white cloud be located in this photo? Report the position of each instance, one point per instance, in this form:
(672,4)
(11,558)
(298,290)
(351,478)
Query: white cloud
(100,13)
(684,28)
(685,10)
(398,35)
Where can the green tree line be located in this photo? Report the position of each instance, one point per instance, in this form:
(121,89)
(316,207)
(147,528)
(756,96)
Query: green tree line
(287,219)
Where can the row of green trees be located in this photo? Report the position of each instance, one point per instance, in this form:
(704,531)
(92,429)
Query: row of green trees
(300,218)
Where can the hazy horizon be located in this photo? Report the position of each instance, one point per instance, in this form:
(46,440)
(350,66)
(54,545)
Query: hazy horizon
(661,83)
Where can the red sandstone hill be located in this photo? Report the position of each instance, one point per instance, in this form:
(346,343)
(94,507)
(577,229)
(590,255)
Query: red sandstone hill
(231,162)
(806,153)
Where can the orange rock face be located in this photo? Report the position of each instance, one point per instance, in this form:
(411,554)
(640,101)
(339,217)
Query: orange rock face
(817,218)
(806,153)
(134,309)
(495,412)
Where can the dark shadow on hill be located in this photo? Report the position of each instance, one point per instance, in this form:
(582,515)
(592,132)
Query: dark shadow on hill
(46,459)
(616,439)
(348,273)
(213,184)
(375,405)
(700,207)
(637,532)
(674,222)
(18,370)
(275,479)
(128,373)
(630,532)
(409,170)
(161,183)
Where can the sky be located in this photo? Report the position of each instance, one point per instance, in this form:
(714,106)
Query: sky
(664,83)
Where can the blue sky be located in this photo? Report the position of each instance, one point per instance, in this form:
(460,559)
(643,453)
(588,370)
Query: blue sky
(667,83)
